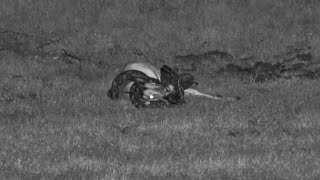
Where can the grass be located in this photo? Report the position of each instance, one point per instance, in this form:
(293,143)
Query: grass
(56,121)
(60,126)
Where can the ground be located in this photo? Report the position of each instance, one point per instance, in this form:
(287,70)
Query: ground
(56,121)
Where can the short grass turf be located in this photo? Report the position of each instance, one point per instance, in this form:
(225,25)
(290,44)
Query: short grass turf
(56,125)
(56,121)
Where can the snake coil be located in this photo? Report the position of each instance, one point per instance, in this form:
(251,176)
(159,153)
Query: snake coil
(139,87)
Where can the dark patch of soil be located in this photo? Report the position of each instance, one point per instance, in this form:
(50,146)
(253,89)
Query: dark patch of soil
(295,63)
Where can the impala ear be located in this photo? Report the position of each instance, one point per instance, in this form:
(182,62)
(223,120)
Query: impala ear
(187,80)
(166,74)
(170,76)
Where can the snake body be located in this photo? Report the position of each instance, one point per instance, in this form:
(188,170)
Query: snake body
(149,86)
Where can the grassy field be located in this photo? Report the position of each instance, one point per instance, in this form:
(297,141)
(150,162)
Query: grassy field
(56,121)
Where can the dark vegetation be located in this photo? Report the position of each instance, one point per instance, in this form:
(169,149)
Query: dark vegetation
(57,59)
(296,64)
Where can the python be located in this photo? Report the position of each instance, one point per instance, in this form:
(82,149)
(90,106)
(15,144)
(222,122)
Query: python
(142,90)
(147,85)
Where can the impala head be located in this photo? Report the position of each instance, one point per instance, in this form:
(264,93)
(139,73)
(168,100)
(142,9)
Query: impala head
(150,94)
(155,91)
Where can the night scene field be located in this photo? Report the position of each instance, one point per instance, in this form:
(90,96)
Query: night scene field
(58,59)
